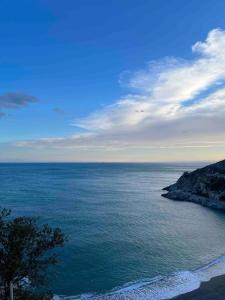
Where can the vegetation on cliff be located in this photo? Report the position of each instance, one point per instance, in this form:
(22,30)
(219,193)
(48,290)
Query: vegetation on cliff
(205,186)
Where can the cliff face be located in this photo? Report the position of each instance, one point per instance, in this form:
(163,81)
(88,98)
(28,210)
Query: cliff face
(205,186)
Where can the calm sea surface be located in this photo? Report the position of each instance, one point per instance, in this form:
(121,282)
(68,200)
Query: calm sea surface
(119,227)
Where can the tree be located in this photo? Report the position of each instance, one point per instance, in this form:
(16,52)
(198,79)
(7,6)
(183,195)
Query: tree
(25,254)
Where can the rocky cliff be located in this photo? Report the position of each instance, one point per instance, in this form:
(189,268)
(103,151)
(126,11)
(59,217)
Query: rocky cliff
(205,186)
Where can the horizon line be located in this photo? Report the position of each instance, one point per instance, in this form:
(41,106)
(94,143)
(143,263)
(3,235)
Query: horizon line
(106,162)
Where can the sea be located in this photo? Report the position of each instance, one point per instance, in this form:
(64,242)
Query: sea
(124,240)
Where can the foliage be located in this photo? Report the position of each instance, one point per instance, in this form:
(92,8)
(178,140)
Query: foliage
(24,253)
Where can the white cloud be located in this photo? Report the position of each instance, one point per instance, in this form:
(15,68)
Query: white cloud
(178,103)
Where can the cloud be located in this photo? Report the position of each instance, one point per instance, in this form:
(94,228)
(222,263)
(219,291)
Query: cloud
(2,114)
(174,103)
(15,100)
(59,111)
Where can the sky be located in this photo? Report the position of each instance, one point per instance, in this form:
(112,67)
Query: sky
(112,81)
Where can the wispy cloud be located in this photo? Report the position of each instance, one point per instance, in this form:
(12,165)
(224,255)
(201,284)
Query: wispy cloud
(15,100)
(2,114)
(176,102)
(59,111)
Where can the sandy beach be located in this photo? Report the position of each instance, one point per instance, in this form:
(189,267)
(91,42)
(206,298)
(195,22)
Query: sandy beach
(211,290)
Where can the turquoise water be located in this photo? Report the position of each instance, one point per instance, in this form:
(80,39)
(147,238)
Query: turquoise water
(120,230)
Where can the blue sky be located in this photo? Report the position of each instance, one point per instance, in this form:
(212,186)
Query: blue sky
(78,79)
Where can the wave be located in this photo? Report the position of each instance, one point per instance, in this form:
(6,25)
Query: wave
(160,287)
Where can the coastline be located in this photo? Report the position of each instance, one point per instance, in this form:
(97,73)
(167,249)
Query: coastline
(213,289)
(204,283)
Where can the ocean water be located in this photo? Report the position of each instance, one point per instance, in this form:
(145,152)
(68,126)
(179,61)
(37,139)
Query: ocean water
(125,241)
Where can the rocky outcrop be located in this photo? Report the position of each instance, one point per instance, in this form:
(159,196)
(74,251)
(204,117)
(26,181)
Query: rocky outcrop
(205,186)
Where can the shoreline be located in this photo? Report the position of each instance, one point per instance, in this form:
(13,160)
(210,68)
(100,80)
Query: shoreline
(204,283)
(213,289)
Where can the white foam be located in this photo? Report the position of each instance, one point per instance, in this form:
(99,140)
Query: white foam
(159,288)
(213,269)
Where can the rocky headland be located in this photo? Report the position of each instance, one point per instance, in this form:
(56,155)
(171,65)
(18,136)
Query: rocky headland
(205,186)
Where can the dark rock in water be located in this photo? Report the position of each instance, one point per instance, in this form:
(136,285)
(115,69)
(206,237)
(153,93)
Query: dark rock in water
(205,186)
